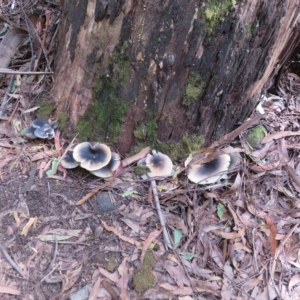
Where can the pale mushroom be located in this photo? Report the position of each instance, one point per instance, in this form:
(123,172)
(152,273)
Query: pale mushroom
(92,156)
(110,168)
(159,164)
(211,171)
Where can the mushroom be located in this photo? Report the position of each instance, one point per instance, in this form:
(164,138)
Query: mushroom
(45,132)
(54,125)
(211,171)
(159,164)
(68,161)
(92,156)
(29,133)
(109,169)
(38,123)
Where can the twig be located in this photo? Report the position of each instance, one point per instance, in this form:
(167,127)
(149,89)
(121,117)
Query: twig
(69,243)
(14,111)
(168,244)
(136,157)
(54,256)
(55,267)
(10,260)
(9,71)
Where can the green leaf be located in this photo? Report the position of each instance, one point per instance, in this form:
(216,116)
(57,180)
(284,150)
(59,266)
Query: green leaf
(188,256)
(162,187)
(178,235)
(54,166)
(128,193)
(220,210)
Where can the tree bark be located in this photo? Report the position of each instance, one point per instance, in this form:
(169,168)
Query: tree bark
(194,68)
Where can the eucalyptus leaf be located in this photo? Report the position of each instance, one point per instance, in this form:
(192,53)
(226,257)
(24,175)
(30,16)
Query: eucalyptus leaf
(178,235)
(221,210)
(54,167)
(128,193)
(188,256)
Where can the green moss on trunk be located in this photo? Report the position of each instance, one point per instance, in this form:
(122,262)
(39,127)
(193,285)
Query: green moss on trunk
(215,11)
(146,135)
(104,117)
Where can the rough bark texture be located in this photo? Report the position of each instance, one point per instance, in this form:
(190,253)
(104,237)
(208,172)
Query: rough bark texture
(195,74)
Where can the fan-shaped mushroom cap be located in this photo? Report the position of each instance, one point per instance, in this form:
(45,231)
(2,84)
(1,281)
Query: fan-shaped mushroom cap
(39,123)
(54,125)
(159,164)
(211,171)
(109,169)
(29,133)
(45,132)
(92,156)
(68,161)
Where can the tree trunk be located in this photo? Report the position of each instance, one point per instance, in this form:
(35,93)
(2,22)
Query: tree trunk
(129,71)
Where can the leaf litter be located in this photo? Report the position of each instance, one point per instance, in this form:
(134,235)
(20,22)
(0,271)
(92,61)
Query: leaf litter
(236,239)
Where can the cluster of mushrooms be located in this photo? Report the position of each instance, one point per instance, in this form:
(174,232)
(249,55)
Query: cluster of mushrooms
(40,129)
(99,160)
(95,157)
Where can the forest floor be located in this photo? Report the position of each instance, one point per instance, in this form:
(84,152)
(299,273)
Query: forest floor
(64,233)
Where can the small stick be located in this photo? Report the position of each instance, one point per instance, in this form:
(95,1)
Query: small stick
(9,71)
(168,244)
(136,157)
(14,111)
(54,256)
(10,260)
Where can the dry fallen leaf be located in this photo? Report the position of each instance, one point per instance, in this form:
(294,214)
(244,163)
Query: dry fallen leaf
(278,135)
(45,154)
(9,290)
(122,237)
(151,237)
(30,223)
(92,193)
(123,281)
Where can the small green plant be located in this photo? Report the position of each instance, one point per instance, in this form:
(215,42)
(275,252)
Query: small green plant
(249,29)
(182,148)
(62,121)
(255,135)
(111,264)
(170,120)
(193,89)
(45,110)
(144,278)
(147,131)
(215,11)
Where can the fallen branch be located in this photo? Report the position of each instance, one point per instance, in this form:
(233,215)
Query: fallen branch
(168,244)
(9,71)
(11,262)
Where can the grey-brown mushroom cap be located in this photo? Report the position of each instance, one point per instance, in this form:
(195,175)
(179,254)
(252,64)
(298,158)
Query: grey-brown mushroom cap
(92,156)
(39,123)
(68,161)
(54,125)
(29,133)
(159,164)
(45,132)
(109,169)
(211,171)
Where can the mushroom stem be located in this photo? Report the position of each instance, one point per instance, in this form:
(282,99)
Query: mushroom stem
(168,244)
(136,157)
